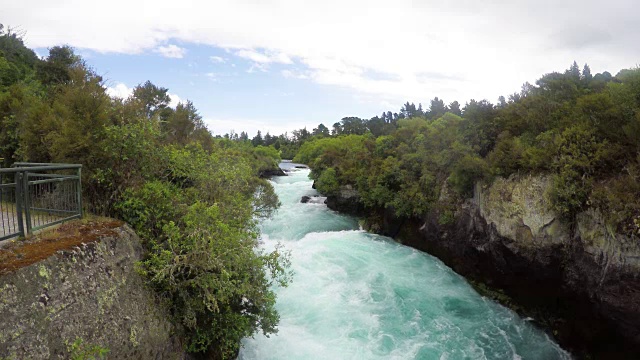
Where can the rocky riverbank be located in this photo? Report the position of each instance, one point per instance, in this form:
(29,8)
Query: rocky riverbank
(579,281)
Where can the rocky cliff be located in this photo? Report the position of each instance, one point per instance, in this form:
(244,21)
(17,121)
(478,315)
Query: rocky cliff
(83,298)
(581,282)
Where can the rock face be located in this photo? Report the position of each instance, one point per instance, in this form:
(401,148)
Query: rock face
(581,283)
(520,210)
(313,199)
(91,293)
(272,172)
(347,201)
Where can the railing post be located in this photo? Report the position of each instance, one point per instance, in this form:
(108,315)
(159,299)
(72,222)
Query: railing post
(27,201)
(19,196)
(80,191)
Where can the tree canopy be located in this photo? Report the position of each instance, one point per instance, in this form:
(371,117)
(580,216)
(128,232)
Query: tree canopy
(582,129)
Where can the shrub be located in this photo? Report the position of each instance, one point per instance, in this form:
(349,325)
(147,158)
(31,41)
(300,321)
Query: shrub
(327,182)
(465,174)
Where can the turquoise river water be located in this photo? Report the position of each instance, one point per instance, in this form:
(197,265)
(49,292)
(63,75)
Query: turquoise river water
(356,295)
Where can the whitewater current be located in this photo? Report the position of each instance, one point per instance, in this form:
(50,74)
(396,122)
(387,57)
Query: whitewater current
(357,295)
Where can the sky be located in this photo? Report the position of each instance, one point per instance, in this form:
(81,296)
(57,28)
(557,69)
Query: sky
(280,65)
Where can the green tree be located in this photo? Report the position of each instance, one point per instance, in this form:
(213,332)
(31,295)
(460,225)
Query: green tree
(152,99)
(321,130)
(586,73)
(184,124)
(257,140)
(436,109)
(454,108)
(56,69)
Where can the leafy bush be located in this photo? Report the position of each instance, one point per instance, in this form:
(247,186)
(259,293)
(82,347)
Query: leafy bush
(466,173)
(150,208)
(79,350)
(579,156)
(327,183)
(216,282)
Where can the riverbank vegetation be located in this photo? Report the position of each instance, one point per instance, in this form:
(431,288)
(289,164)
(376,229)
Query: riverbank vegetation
(583,129)
(194,199)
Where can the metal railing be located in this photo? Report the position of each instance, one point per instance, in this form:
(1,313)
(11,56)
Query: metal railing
(37,195)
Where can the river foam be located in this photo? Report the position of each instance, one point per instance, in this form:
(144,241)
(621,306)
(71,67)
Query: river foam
(361,296)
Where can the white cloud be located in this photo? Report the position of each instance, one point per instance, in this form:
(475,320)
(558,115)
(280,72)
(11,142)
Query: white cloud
(255,67)
(261,60)
(217,59)
(120,90)
(253,56)
(171,51)
(293,74)
(175,99)
(264,58)
(382,48)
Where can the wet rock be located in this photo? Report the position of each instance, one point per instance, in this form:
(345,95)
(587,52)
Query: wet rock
(272,172)
(347,200)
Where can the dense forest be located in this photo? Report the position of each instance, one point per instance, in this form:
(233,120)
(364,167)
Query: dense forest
(579,128)
(195,200)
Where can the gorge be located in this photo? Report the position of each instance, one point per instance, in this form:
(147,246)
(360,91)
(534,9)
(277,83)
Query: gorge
(360,295)
(578,281)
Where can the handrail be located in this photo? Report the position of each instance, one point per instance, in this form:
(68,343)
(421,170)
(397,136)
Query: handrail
(40,168)
(23,164)
(37,199)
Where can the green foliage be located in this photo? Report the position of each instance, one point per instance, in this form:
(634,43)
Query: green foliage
(583,129)
(17,62)
(58,67)
(195,200)
(613,196)
(79,350)
(266,158)
(446,217)
(183,125)
(327,183)
(129,155)
(507,156)
(150,208)
(151,98)
(216,281)
(268,152)
(579,156)
(466,173)
(200,225)
(341,153)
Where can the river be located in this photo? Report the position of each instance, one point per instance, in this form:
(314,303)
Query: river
(357,295)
